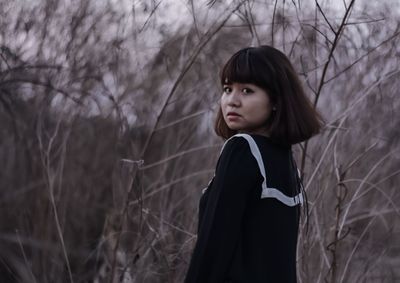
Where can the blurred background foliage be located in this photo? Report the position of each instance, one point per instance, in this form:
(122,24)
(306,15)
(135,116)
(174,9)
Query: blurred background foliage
(106,133)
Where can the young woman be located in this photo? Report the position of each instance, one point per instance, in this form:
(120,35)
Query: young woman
(249,213)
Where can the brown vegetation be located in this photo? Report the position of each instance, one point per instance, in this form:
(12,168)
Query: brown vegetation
(106,138)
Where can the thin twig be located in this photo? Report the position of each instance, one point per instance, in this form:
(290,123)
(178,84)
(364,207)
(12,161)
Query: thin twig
(325,18)
(176,155)
(46,160)
(168,185)
(372,170)
(252,23)
(273,23)
(321,240)
(350,257)
(322,158)
(358,158)
(25,258)
(149,17)
(193,12)
(173,123)
(147,211)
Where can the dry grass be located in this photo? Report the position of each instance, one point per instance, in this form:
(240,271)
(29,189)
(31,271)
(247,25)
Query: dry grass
(106,134)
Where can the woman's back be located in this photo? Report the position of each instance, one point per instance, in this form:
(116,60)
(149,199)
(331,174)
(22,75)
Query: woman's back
(241,236)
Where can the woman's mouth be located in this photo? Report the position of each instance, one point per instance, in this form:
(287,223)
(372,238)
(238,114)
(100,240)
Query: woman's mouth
(232,114)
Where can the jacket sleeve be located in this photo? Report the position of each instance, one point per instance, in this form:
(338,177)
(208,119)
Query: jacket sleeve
(236,175)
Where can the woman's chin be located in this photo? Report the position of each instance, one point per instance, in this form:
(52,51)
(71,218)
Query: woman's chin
(234,127)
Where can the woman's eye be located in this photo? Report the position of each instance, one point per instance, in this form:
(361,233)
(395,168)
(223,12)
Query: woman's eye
(227,89)
(247,90)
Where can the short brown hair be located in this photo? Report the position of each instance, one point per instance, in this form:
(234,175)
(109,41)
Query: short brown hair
(295,119)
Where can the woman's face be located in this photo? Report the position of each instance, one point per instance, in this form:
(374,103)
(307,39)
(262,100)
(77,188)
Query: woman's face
(245,107)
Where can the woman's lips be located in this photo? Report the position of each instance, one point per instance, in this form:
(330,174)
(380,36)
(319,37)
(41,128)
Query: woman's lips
(233,114)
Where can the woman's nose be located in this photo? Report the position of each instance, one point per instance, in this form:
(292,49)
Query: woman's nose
(234,98)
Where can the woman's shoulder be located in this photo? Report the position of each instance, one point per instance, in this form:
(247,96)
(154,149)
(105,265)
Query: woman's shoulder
(235,144)
(237,160)
(261,141)
(237,150)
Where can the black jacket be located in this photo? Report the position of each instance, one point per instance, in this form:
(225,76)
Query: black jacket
(241,236)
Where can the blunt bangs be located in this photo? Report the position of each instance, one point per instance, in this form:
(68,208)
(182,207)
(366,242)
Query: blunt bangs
(246,67)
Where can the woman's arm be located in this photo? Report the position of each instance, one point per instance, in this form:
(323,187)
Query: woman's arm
(236,174)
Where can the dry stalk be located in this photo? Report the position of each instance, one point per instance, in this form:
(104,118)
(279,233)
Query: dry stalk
(364,274)
(150,16)
(179,154)
(341,193)
(33,278)
(273,23)
(322,79)
(249,19)
(196,25)
(176,228)
(354,250)
(123,214)
(348,206)
(321,240)
(322,158)
(196,114)
(168,185)
(372,186)
(45,153)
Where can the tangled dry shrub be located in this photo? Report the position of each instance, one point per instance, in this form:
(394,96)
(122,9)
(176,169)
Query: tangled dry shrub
(105,148)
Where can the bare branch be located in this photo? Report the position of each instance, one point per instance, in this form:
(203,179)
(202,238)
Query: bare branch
(326,19)
(273,23)
(334,44)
